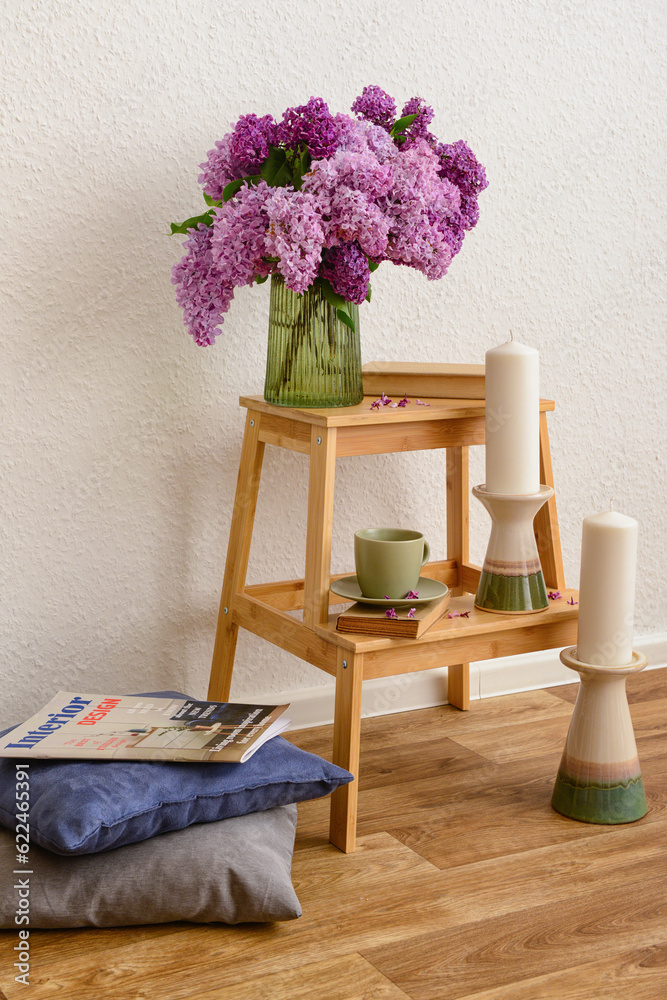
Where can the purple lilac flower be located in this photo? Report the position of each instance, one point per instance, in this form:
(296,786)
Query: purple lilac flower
(295,236)
(376,106)
(411,612)
(346,268)
(219,169)
(201,289)
(459,164)
(250,141)
(391,613)
(238,242)
(425,115)
(311,124)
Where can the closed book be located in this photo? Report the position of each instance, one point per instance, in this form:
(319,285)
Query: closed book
(423,379)
(368,619)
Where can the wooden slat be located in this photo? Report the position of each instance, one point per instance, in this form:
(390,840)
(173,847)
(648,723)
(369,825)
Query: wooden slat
(363,415)
(282,433)
(285,631)
(394,436)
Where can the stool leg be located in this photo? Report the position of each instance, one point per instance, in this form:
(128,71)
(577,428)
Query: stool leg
(238,551)
(347,732)
(547,533)
(458,674)
(322,472)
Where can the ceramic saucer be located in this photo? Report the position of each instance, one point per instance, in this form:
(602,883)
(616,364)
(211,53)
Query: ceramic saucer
(428,590)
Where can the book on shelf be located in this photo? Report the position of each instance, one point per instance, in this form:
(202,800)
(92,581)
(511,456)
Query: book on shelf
(423,379)
(99,727)
(369,619)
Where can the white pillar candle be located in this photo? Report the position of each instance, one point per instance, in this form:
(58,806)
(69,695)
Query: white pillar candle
(512,419)
(607,589)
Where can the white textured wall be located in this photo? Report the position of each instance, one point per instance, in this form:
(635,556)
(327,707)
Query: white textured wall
(120,438)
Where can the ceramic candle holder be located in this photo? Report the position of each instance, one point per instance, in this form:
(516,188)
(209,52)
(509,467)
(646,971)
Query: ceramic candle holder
(599,780)
(512,582)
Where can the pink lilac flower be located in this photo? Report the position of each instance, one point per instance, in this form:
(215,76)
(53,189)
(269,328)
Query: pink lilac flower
(238,242)
(391,613)
(376,106)
(411,612)
(411,594)
(420,402)
(311,124)
(201,289)
(295,236)
(346,268)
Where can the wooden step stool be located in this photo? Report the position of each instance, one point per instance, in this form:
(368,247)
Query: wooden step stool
(324,435)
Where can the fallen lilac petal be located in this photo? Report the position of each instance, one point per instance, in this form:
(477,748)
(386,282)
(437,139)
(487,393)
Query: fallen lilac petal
(375,405)
(554,595)
(395,404)
(384,399)
(464,614)
(420,402)
(411,594)
(411,612)
(572,601)
(404,401)
(391,613)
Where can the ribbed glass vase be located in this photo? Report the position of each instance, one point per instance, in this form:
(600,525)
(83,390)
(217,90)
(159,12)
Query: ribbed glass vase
(313,359)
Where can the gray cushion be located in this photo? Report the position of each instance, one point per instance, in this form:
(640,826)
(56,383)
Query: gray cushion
(233,870)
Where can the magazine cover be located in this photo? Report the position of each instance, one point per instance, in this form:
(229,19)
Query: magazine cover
(94,726)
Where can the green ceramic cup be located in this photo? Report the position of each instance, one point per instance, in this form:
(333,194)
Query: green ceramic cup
(389,561)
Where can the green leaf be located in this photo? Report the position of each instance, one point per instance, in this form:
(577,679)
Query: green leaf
(209,201)
(345,317)
(183,227)
(369,293)
(373,265)
(402,124)
(333,298)
(272,164)
(301,167)
(232,188)
(260,280)
(283,176)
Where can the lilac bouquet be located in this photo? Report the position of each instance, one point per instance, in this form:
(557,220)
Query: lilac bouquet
(322,198)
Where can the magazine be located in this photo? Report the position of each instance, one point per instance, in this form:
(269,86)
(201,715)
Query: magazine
(94,727)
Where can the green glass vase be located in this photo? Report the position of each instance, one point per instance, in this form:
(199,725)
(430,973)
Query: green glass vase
(313,358)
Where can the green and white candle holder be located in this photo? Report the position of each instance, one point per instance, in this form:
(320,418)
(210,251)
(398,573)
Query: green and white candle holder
(512,582)
(599,779)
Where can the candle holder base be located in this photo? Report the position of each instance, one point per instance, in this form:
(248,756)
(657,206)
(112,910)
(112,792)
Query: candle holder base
(599,779)
(512,582)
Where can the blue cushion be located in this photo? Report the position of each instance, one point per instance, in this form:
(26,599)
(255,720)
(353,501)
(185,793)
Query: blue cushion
(82,807)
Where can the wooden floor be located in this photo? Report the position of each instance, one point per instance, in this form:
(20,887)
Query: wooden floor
(465,884)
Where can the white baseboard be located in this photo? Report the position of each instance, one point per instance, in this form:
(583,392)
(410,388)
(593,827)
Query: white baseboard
(428,688)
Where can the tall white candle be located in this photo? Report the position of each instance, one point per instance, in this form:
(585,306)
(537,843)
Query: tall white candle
(512,419)
(607,589)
